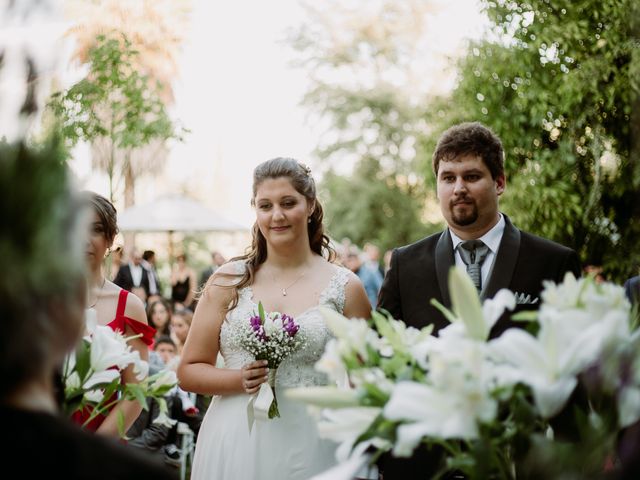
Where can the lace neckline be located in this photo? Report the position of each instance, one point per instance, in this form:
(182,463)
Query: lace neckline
(248,291)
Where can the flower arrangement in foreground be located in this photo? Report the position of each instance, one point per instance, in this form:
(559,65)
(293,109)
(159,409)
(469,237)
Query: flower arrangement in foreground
(536,402)
(91,375)
(272,337)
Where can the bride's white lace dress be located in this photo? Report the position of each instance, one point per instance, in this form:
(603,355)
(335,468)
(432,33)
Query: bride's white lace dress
(281,448)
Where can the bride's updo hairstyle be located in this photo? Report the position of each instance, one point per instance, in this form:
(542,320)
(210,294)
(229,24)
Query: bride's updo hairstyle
(300,177)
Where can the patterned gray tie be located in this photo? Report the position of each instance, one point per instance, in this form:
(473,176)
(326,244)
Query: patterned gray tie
(473,253)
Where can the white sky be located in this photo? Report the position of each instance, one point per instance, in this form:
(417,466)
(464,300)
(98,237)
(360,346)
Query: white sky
(239,96)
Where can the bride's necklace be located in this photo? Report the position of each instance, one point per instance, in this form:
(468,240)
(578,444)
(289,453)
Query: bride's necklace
(284,289)
(104,279)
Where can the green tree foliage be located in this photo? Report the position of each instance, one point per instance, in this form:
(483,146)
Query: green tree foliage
(361,59)
(367,207)
(553,81)
(115,104)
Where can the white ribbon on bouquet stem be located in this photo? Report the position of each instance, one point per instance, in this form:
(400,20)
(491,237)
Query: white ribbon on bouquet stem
(260,402)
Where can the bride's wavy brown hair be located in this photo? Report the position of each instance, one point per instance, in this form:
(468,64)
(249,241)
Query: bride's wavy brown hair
(300,177)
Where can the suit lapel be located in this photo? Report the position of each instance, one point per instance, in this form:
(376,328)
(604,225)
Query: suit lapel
(505,261)
(444,262)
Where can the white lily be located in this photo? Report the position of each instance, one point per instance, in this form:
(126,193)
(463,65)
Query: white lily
(477,319)
(345,425)
(109,349)
(628,406)
(166,378)
(435,413)
(95,396)
(101,378)
(350,468)
(140,367)
(353,334)
(331,362)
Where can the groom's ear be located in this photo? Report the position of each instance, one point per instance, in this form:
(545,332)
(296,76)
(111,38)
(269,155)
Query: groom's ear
(501,184)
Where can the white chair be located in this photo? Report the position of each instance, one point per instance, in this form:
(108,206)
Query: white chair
(187,446)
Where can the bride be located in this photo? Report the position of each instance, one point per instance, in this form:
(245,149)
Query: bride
(289,269)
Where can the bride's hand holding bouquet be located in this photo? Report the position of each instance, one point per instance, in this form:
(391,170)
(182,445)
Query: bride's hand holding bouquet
(270,338)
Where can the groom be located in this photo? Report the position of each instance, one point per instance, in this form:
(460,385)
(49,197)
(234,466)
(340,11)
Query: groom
(469,166)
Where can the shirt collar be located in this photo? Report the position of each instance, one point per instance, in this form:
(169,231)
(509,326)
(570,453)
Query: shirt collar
(491,239)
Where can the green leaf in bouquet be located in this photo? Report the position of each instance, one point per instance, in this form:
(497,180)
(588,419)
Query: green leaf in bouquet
(120,424)
(448,314)
(373,356)
(525,316)
(73,402)
(374,396)
(138,392)
(382,324)
(163,390)
(382,428)
(466,303)
(83,359)
(397,368)
(111,388)
(261,312)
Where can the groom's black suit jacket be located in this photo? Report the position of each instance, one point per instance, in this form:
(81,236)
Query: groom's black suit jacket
(419,272)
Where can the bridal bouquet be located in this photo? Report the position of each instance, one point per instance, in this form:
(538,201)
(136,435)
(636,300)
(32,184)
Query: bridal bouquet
(541,402)
(92,374)
(273,337)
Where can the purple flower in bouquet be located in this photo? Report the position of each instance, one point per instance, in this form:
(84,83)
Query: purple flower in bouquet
(289,325)
(273,337)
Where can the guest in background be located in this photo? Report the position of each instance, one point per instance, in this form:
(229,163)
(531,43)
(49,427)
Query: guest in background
(183,283)
(217,260)
(133,277)
(632,289)
(372,257)
(149,263)
(369,275)
(386,260)
(159,317)
(144,433)
(180,325)
(115,257)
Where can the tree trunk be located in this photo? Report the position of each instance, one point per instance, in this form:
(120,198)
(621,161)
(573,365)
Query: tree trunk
(129,199)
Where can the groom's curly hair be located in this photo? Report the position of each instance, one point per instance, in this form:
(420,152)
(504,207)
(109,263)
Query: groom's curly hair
(300,177)
(470,138)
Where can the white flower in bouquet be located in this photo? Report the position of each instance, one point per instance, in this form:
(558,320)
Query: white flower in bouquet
(582,319)
(456,397)
(273,337)
(449,390)
(92,373)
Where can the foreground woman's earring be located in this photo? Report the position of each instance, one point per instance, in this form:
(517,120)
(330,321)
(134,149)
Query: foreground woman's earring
(309,220)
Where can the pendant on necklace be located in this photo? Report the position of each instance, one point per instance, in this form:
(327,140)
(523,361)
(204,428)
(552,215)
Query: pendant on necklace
(284,292)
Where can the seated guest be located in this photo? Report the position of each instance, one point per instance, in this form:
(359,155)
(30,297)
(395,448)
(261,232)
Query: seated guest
(632,289)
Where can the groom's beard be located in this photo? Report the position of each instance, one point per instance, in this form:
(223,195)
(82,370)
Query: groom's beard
(464,214)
